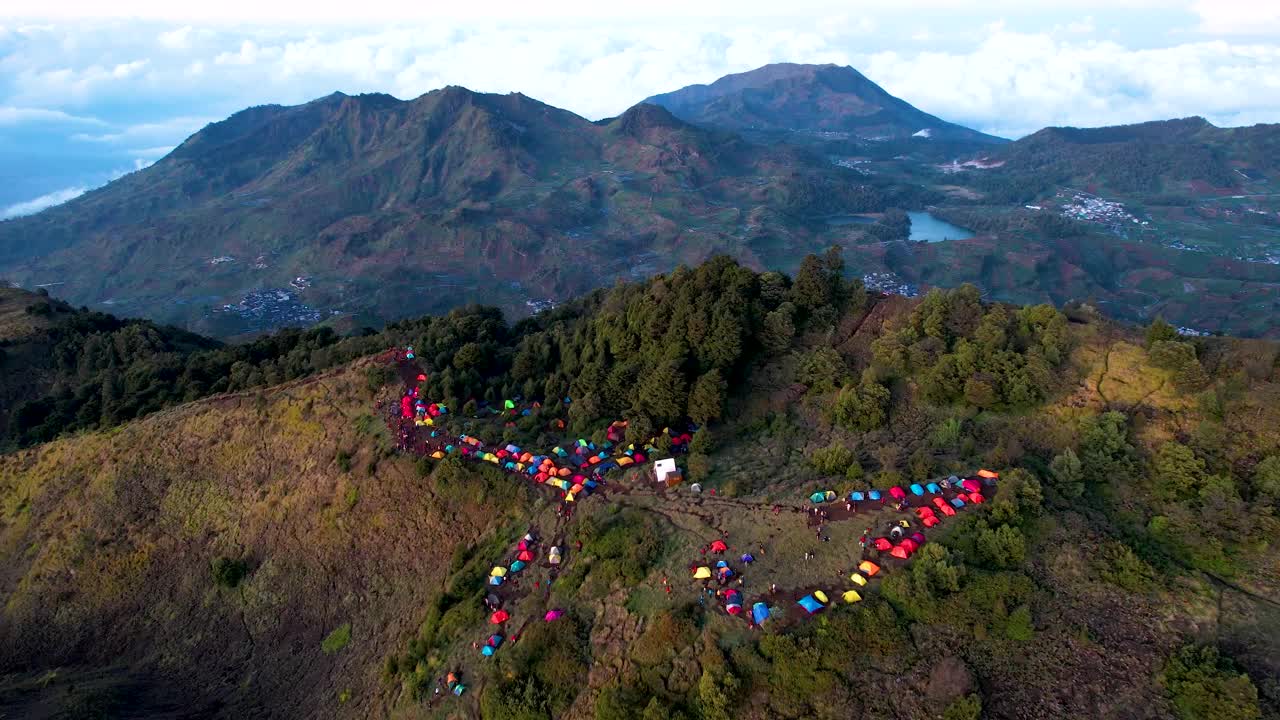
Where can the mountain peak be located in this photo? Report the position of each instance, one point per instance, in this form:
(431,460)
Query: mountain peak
(645,116)
(792,97)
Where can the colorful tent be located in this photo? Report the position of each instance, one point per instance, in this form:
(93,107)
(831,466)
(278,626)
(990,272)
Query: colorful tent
(900,552)
(495,580)
(525,556)
(868,568)
(858,579)
(702,573)
(487,650)
(976,498)
(917,489)
(897,493)
(947,510)
(852,596)
(553,615)
(822,597)
(517,566)
(554,556)
(957,502)
(818,497)
(971,485)
(829,495)
(933,488)
(931,521)
(924,512)
(988,474)
(759,613)
(882,544)
(498,571)
(810,605)
(857,496)
(718,546)
(918,537)
(873,495)
(499,617)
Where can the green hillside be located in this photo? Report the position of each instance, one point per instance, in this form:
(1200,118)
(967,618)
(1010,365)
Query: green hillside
(297,552)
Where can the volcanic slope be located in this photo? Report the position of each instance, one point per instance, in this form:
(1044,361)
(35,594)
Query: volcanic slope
(1127,541)
(378,208)
(821,99)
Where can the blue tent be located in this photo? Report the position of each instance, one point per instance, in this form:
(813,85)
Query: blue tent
(486,651)
(517,566)
(874,495)
(857,496)
(916,489)
(590,484)
(933,488)
(957,502)
(759,612)
(721,564)
(810,604)
(495,580)
(817,497)
(525,411)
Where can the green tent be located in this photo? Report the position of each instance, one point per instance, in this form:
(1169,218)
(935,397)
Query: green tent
(510,405)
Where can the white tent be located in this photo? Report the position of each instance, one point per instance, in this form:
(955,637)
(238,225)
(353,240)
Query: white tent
(663,468)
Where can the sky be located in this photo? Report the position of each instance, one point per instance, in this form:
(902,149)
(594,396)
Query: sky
(92,90)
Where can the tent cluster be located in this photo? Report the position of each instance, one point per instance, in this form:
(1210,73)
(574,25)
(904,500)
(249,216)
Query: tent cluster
(964,489)
(524,554)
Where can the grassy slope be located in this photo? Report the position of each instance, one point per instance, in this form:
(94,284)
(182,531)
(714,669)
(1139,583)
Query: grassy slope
(121,526)
(110,537)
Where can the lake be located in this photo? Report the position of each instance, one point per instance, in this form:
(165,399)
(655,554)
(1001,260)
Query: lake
(928,228)
(924,226)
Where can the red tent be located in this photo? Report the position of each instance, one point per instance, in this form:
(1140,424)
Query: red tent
(900,552)
(525,556)
(910,545)
(931,521)
(883,544)
(971,485)
(406,407)
(924,512)
(422,378)
(939,502)
(976,499)
(948,510)
(523,545)
(897,493)
(499,617)
(718,546)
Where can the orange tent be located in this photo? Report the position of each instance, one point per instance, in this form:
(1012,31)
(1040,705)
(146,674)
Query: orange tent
(564,472)
(868,568)
(900,552)
(948,510)
(931,521)
(988,474)
(525,556)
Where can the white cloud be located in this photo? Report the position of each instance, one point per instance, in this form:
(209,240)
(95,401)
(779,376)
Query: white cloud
(22,115)
(35,205)
(179,127)
(176,39)
(1239,17)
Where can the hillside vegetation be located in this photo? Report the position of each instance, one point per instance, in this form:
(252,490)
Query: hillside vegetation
(291,562)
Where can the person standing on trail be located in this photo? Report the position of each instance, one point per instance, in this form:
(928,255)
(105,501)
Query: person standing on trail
(848,506)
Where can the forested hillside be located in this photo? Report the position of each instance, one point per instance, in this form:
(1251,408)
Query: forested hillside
(294,556)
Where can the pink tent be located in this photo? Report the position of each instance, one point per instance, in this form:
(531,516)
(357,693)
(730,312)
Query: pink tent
(971,485)
(897,493)
(553,615)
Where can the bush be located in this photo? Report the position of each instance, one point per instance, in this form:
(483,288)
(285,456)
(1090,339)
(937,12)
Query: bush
(1204,686)
(968,707)
(337,639)
(228,573)
(834,459)
(344,461)
(1019,626)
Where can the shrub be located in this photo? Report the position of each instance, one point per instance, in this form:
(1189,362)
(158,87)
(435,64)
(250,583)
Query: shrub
(1019,625)
(344,461)
(834,459)
(1204,686)
(228,573)
(968,707)
(337,639)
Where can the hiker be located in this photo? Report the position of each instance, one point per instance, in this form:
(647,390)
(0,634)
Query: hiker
(773,587)
(848,506)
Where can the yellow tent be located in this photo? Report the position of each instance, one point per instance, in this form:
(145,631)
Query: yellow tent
(428,421)
(858,579)
(568,497)
(821,596)
(852,596)
(437,454)
(702,573)
(625,461)
(498,571)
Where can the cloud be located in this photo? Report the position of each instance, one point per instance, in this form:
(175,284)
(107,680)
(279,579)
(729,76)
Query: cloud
(23,115)
(1238,17)
(177,39)
(177,128)
(35,205)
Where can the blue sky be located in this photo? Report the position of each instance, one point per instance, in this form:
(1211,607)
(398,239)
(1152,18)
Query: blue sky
(92,90)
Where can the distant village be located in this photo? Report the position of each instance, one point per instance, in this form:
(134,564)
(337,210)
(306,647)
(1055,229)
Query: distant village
(887,282)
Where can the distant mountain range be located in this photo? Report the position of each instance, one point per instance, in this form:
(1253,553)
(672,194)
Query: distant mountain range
(355,210)
(826,99)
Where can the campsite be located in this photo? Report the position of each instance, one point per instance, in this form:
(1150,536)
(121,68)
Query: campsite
(793,576)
